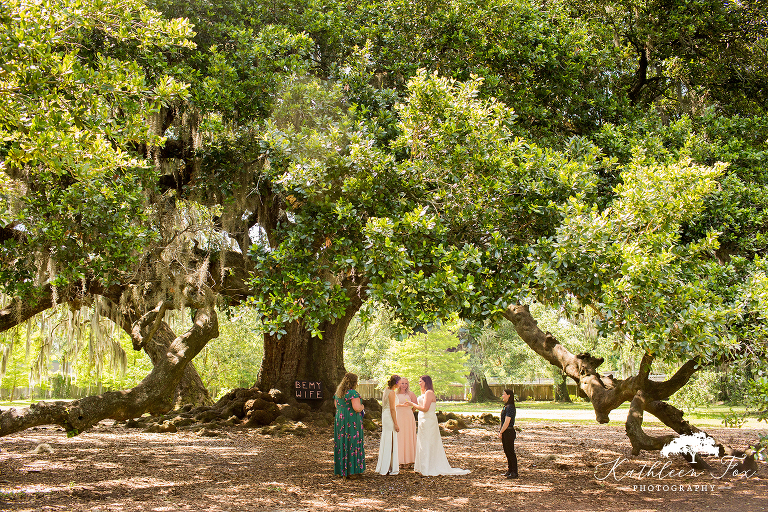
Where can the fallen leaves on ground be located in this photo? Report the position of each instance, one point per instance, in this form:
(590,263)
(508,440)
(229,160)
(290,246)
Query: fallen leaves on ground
(562,467)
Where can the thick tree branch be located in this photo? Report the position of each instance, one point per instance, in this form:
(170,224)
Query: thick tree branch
(672,417)
(190,389)
(153,394)
(634,427)
(645,367)
(141,331)
(663,390)
(641,75)
(19,311)
(605,393)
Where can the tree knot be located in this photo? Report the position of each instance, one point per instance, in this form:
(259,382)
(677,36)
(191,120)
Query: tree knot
(549,341)
(588,364)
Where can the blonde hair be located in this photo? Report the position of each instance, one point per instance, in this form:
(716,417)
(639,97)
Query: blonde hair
(348,382)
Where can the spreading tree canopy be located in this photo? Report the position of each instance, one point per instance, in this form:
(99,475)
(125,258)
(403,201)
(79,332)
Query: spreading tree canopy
(445,158)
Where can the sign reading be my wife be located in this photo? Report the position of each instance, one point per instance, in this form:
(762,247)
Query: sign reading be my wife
(308,390)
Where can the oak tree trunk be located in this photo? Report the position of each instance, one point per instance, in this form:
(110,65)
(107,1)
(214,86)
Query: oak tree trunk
(481,391)
(561,389)
(297,355)
(190,389)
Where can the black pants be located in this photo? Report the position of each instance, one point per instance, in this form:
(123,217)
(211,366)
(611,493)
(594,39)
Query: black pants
(508,442)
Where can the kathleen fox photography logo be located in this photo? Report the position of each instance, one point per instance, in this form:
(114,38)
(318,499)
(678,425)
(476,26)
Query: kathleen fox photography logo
(658,476)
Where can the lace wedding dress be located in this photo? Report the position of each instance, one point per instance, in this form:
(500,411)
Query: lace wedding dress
(430,454)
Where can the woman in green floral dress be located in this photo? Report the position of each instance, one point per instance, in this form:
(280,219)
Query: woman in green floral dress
(348,449)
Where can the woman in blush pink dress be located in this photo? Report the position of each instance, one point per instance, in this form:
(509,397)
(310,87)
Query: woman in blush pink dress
(406,438)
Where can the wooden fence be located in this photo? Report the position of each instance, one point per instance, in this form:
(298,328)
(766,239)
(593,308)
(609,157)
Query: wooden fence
(538,391)
(541,391)
(368,390)
(372,389)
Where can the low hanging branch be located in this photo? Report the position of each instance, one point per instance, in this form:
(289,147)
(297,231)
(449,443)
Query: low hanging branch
(139,333)
(19,311)
(172,377)
(155,342)
(607,394)
(634,427)
(150,395)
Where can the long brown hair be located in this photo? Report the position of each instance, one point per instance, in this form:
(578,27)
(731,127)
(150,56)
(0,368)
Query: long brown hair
(427,382)
(348,382)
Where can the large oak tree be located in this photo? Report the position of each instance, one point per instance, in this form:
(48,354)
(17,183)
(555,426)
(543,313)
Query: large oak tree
(323,156)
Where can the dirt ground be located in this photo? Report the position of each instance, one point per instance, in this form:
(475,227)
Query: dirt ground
(563,466)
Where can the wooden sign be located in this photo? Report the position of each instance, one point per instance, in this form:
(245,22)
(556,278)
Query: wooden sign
(308,390)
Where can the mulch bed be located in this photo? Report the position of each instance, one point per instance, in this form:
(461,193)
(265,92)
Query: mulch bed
(562,467)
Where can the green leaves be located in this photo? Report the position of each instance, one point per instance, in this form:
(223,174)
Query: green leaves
(290,289)
(433,353)
(240,79)
(72,111)
(628,262)
(486,195)
(323,163)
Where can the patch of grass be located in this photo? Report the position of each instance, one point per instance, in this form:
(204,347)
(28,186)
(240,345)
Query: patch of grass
(479,408)
(27,403)
(711,412)
(17,403)
(11,494)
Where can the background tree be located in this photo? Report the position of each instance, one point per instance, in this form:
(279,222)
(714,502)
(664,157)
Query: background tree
(690,54)
(15,365)
(434,353)
(367,342)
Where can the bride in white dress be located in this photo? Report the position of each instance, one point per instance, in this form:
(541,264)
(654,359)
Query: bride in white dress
(388,463)
(430,454)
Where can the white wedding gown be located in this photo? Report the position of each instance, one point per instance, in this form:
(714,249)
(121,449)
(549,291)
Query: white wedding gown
(388,462)
(430,454)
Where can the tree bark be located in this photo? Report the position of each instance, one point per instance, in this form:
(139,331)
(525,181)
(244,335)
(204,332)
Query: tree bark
(607,394)
(561,390)
(641,75)
(634,427)
(153,394)
(190,389)
(481,391)
(297,355)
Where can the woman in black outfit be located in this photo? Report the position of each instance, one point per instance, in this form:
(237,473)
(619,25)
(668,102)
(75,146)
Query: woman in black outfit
(507,432)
